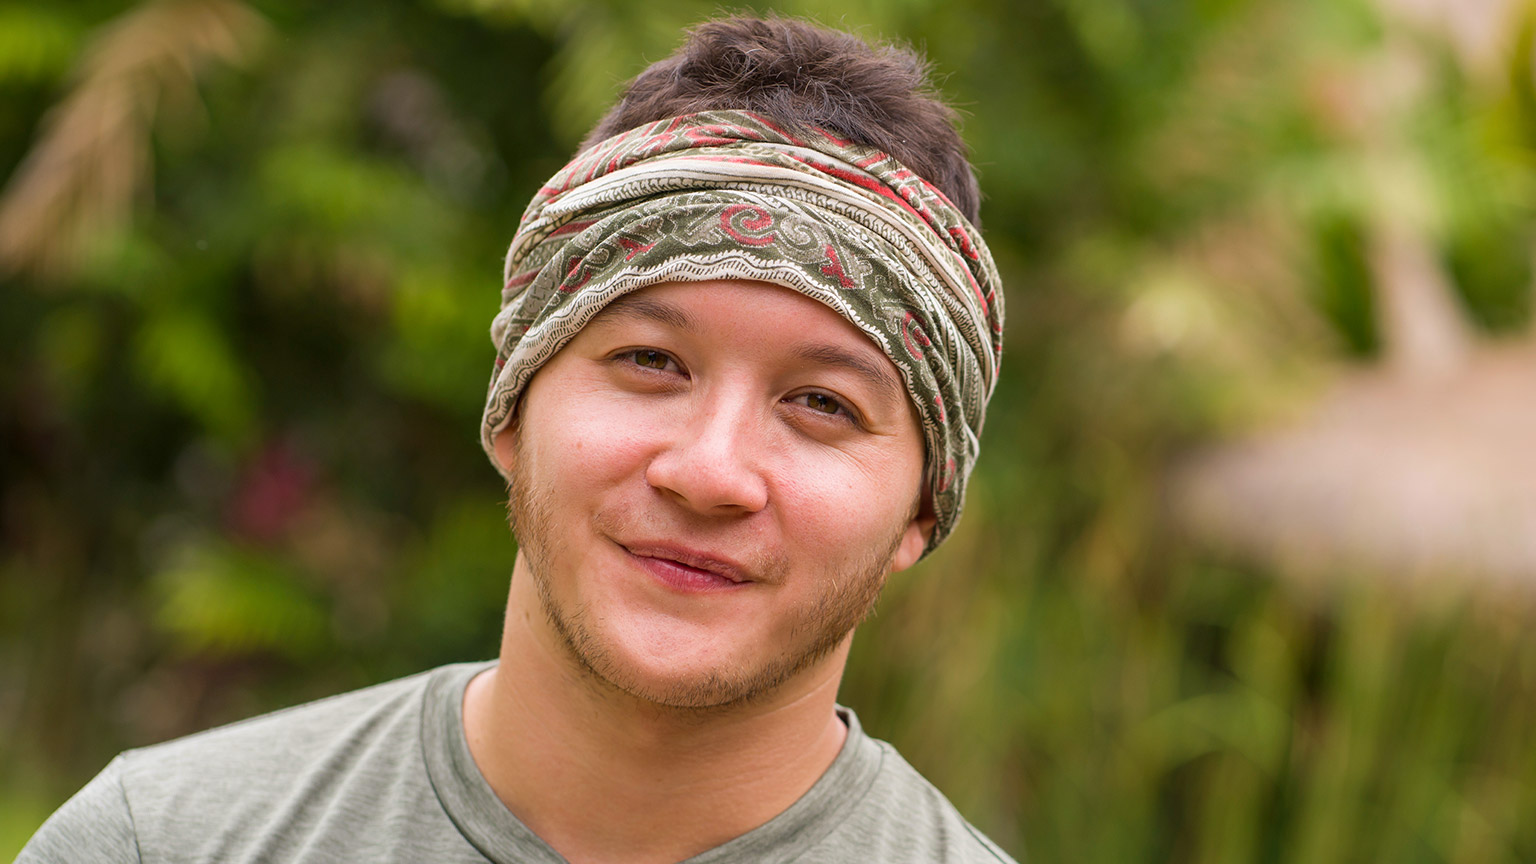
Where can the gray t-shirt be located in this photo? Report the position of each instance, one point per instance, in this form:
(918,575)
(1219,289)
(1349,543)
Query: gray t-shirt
(385,774)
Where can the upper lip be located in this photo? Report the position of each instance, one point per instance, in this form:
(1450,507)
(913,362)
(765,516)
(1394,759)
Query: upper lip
(718,565)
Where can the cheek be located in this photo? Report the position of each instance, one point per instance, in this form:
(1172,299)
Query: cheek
(843,502)
(592,438)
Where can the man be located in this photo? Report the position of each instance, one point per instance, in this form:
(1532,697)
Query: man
(743,355)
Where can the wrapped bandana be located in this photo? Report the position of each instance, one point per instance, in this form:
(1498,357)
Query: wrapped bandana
(730,195)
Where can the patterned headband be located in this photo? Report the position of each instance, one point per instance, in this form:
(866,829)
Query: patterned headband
(729,195)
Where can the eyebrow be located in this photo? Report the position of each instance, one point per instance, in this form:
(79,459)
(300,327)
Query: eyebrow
(874,373)
(645,309)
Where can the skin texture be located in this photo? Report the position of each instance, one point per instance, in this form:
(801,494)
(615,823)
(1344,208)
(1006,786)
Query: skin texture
(711,483)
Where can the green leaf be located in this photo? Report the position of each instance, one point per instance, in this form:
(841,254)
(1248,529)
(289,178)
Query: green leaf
(221,600)
(36,44)
(186,356)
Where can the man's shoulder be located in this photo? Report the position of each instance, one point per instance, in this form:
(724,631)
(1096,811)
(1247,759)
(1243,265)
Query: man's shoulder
(260,788)
(908,818)
(875,806)
(362,739)
(266,758)
(287,738)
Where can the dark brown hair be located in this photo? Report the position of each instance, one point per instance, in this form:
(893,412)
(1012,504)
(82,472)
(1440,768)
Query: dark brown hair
(801,76)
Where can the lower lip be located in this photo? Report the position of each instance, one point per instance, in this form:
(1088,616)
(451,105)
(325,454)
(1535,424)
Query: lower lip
(681,577)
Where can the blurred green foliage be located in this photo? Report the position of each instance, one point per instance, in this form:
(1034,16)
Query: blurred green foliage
(239,393)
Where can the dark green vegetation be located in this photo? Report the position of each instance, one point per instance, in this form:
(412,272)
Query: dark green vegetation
(250,266)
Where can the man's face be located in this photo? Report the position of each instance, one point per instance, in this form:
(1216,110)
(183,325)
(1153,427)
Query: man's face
(710,484)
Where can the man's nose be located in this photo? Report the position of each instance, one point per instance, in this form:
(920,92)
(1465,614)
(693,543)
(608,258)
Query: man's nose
(713,463)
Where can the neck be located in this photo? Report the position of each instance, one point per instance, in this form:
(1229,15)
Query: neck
(603,776)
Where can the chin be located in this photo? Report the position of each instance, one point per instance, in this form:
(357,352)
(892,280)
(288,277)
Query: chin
(676,671)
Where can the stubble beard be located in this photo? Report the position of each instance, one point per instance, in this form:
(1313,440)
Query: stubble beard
(849,597)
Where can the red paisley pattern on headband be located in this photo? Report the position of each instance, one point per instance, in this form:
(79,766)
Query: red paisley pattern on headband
(757,221)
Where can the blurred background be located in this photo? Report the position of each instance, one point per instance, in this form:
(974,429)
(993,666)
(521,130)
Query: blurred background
(1249,561)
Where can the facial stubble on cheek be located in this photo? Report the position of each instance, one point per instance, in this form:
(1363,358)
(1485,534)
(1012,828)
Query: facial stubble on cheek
(529,514)
(847,596)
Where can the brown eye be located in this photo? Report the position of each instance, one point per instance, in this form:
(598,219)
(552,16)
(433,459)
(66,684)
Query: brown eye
(823,403)
(651,359)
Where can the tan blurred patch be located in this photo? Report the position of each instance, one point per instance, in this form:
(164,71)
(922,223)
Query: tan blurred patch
(91,166)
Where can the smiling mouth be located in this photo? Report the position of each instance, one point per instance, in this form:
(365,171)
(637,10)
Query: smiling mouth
(688,570)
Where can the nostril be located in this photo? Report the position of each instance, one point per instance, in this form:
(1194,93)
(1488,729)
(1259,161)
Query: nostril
(709,479)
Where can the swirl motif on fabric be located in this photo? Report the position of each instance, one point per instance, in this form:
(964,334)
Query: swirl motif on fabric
(730,195)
